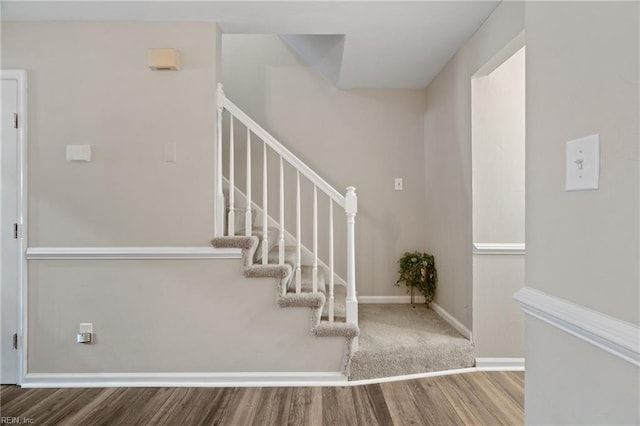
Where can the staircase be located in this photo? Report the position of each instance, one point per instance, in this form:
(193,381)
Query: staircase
(271,250)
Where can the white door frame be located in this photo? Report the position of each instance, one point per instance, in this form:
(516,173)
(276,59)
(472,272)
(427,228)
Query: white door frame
(21,77)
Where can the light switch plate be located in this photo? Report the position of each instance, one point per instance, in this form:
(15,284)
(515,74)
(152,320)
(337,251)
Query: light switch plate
(78,152)
(583,164)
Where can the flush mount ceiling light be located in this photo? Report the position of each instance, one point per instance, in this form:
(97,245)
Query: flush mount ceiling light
(164,59)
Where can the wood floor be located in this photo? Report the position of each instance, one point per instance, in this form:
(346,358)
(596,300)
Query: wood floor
(480,398)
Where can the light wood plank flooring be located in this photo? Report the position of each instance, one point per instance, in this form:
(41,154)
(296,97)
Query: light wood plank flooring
(480,398)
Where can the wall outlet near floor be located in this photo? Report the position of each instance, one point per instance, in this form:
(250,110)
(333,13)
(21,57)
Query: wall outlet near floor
(85,333)
(399,184)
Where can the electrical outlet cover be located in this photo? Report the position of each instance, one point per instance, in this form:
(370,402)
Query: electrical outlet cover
(399,184)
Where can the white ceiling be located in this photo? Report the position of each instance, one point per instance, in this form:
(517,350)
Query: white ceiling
(387,44)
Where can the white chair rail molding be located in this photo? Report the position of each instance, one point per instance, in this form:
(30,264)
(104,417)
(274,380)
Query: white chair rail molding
(617,337)
(499,248)
(123,253)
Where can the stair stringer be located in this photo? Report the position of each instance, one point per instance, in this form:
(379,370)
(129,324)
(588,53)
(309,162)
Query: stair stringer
(314,301)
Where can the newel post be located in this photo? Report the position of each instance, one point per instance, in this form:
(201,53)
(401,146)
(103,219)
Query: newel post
(219,199)
(351,208)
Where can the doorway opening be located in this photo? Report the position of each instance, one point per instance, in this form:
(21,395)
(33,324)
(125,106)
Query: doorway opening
(498,203)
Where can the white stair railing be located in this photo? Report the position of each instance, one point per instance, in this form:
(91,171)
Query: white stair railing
(265,204)
(219,196)
(281,239)
(348,202)
(351,208)
(248,220)
(298,276)
(231,218)
(331,265)
(314,271)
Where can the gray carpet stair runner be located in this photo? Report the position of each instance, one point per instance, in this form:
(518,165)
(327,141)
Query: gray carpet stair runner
(286,292)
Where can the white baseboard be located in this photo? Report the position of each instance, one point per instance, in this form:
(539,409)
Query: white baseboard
(500,364)
(92,380)
(102,380)
(452,321)
(389,299)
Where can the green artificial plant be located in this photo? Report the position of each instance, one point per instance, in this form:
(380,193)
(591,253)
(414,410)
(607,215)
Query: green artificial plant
(419,270)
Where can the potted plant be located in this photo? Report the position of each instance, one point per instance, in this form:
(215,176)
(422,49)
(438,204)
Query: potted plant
(419,270)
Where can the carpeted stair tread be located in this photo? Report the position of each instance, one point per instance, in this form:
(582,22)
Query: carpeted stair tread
(290,258)
(237,241)
(336,329)
(267,271)
(247,244)
(301,300)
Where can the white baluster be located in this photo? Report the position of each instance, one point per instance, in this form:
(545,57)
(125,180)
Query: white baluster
(219,219)
(298,237)
(247,215)
(314,271)
(281,242)
(265,221)
(231,220)
(331,266)
(351,208)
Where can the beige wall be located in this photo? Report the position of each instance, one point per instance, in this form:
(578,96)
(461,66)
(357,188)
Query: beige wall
(167,316)
(89,83)
(447,164)
(363,138)
(498,321)
(582,78)
(585,248)
(571,382)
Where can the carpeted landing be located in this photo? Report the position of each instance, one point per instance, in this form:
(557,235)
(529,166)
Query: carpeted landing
(398,339)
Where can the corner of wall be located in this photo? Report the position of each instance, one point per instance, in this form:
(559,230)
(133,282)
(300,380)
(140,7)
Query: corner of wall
(447,144)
